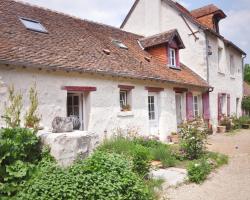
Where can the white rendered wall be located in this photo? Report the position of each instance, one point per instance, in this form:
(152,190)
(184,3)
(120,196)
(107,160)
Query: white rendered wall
(103,104)
(195,53)
(164,18)
(224,82)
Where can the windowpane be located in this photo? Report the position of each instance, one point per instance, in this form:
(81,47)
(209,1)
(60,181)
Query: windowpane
(76,100)
(172,57)
(151,107)
(232,66)
(123,98)
(33,25)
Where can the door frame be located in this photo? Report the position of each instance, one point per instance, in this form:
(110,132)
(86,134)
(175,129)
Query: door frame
(180,95)
(154,123)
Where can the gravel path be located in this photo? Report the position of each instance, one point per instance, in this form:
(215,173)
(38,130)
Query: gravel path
(231,182)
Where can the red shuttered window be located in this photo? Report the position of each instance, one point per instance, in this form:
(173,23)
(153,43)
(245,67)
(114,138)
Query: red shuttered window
(189,106)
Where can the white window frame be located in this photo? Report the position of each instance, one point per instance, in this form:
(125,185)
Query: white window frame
(196,111)
(123,102)
(232,66)
(80,107)
(172,57)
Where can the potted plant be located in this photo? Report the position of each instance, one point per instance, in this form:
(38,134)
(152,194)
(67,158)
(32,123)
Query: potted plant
(174,138)
(126,108)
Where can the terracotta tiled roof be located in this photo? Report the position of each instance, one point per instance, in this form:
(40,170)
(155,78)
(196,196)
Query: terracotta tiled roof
(206,10)
(246,89)
(73,44)
(186,13)
(162,38)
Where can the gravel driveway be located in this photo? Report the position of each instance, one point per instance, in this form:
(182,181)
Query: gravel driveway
(231,182)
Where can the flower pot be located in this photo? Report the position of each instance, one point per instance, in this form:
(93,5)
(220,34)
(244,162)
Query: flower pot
(175,139)
(221,129)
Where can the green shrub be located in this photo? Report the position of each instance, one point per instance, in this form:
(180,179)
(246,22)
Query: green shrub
(198,171)
(138,154)
(140,159)
(246,103)
(19,152)
(14,105)
(164,154)
(148,143)
(32,118)
(217,159)
(102,176)
(193,141)
(238,122)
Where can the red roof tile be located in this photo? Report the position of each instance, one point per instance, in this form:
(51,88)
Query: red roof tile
(207,10)
(73,44)
(162,38)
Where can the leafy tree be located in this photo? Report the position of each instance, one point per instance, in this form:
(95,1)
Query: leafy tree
(247,73)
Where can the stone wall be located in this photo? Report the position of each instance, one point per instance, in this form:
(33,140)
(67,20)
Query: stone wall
(68,147)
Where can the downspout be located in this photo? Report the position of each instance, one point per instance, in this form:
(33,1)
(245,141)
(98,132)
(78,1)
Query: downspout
(243,70)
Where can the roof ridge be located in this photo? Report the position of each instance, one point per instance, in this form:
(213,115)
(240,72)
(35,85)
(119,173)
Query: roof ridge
(208,5)
(71,16)
(158,34)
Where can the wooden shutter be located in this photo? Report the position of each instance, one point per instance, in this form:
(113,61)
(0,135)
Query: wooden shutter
(206,106)
(189,106)
(219,106)
(228,105)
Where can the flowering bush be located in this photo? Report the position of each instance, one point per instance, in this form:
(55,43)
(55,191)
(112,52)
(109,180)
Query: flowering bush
(198,171)
(193,140)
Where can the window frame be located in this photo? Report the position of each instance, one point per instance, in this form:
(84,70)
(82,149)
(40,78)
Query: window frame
(125,92)
(220,55)
(172,57)
(151,104)
(196,104)
(41,30)
(232,66)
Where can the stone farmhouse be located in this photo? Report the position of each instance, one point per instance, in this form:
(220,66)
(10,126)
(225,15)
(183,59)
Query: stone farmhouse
(207,52)
(165,72)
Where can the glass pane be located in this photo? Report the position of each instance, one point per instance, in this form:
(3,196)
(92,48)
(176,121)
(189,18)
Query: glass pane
(33,25)
(69,100)
(76,100)
(76,111)
(70,110)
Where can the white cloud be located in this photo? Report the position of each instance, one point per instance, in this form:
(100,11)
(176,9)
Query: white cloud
(236,28)
(109,12)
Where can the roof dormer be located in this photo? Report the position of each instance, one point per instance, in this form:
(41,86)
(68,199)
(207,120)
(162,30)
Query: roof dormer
(164,47)
(209,16)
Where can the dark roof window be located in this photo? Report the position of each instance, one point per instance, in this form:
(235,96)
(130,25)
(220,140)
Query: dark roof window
(120,44)
(33,25)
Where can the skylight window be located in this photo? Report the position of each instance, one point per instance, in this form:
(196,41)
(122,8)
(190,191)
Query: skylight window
(33,25)
(120,44)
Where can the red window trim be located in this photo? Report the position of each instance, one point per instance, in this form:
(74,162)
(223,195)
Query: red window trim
(154,89)
(79,88)
(126,87)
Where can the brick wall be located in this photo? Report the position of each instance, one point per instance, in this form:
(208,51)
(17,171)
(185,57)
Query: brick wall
(160,53)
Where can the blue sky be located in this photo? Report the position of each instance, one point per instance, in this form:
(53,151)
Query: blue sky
(235,27)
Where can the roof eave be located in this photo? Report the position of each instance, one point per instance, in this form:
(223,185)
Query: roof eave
(100,72)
